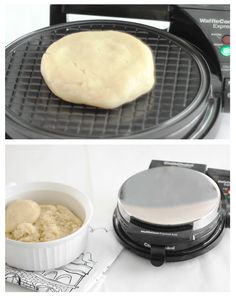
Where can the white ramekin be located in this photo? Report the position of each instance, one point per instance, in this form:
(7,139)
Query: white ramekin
(38,256)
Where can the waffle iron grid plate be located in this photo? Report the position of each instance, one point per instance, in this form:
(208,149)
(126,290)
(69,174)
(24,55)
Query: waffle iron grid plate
(31,105)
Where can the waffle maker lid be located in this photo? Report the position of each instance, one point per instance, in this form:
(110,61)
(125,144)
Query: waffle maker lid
(170,196)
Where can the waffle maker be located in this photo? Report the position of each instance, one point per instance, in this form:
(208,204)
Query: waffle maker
(173,211)
(192,76)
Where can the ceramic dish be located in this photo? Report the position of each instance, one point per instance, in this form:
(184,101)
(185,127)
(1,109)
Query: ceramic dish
(37,256)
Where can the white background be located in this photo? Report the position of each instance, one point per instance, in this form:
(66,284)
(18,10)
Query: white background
(99,171)
(22,19)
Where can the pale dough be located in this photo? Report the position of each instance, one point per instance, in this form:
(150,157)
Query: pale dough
(53,222)
(25,232)
(21,211)
(99,68)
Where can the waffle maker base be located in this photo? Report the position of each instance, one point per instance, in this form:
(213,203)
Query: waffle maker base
(181,104)
(156,256)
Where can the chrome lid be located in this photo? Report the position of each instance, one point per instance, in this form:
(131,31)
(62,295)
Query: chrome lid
(170,196)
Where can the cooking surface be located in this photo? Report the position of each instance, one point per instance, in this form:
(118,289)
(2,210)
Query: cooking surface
(170,196)
(30,103)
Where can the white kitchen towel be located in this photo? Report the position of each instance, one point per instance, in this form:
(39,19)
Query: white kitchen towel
(83,274)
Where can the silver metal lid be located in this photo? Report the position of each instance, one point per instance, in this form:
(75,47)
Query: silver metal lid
(170,196)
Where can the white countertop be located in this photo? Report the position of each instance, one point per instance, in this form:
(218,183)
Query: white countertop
(99,171)
(23,18)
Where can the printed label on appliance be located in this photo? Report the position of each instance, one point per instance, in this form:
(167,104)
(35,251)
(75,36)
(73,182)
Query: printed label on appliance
(216,23)
(160,233)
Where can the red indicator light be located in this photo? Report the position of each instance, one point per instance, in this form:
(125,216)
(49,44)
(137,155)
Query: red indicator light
(226,39)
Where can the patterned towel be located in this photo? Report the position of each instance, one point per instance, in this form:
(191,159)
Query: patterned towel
(80,275)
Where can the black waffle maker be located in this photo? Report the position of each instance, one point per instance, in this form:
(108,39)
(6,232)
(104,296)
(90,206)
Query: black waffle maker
(173,211)
(192,60)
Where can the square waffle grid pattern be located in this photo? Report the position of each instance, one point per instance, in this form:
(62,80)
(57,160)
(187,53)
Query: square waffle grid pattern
(32,104)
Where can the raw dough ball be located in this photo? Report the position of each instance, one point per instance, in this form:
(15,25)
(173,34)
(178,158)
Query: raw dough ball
(26,232)
(21,211)
(99,68)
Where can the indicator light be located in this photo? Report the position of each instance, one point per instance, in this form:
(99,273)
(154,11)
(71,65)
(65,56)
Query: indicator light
(226,39)
(225,50)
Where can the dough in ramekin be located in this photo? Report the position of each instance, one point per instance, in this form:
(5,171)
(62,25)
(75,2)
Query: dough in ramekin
(21,211)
